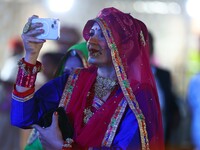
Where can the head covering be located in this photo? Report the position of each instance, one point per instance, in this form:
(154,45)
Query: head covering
(127,39)
(80,50)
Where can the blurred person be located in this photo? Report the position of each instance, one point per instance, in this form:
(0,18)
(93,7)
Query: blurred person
(10,136)
(194,105)
(75,57)
(115,98)
(55,63)
(69,36)
(16,52)
(167,98)
(50,61)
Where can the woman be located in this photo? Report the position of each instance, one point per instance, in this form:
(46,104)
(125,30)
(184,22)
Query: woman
(111,105)
(75,57)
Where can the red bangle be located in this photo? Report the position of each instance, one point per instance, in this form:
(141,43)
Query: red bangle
(27,73)
(23,94)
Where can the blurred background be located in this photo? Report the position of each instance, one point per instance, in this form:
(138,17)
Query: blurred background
(175,25)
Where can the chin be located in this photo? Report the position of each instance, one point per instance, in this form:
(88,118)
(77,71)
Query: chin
(92,62)
(97,61)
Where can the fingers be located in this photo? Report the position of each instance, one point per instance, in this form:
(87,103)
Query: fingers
(33,32)
(55,119)
(27,26)
(32,29)
(32,17)
(38,128)
(32,39)
(36,25)
(41,131)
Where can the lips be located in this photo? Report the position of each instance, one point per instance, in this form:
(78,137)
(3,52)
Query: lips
(94,51)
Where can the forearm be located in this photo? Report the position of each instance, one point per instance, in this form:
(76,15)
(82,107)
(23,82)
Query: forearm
(22,113)
(29,106)
(32,60)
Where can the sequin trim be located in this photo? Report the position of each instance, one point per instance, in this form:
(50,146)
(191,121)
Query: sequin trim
(124,83)
(71,82)
(114,123)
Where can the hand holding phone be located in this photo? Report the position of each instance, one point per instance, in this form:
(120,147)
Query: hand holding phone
(51,28)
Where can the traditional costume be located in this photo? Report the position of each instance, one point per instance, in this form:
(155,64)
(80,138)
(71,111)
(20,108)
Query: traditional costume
(130,118)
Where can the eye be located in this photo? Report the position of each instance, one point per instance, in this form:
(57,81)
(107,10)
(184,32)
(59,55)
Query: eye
(91,33)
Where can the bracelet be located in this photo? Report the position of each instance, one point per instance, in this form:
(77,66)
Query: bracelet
(27,73)
(67,144)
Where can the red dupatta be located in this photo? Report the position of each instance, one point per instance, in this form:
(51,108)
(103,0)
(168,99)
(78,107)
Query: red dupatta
(127,39)
(94,133)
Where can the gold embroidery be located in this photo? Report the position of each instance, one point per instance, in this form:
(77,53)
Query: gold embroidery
(69,88)
(124,83)
(114,123)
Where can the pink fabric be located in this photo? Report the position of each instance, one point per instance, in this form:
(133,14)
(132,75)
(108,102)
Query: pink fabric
(131,38)
(91,134)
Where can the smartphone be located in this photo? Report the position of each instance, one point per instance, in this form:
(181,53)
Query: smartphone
(51,28)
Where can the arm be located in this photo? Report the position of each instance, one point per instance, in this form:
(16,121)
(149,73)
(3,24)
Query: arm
(32,47)
(24,88)
(28,110)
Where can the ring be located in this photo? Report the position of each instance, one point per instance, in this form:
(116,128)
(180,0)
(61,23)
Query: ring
(27,27)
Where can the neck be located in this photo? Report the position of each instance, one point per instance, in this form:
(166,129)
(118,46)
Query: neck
(107,72)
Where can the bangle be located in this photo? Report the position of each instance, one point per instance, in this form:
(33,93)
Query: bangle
(67,144)
(27,73)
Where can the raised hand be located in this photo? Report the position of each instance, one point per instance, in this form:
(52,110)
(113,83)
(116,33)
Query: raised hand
(32,45)
(51,137)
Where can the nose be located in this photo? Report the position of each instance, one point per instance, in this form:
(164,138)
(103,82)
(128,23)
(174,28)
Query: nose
(93,40)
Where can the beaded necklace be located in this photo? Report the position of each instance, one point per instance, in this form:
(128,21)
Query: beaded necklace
(94,99)
(103,86)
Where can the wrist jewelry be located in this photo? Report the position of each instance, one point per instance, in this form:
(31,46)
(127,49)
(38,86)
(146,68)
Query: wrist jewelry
(67,144)
(27,73)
